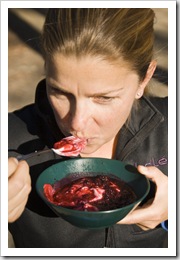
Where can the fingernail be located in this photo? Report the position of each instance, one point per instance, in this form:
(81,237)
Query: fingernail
(143,168)
(15,160)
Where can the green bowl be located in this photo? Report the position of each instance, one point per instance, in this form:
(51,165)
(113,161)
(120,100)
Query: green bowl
(93,166)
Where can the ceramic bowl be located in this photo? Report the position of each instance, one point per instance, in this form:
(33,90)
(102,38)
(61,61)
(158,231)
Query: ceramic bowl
(80,167)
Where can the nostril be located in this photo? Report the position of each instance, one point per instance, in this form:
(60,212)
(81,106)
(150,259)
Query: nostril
(79,135)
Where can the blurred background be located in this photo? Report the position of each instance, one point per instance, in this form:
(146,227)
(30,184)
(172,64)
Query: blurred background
(26,66)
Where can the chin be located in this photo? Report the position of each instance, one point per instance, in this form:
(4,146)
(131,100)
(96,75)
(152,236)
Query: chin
(89,149)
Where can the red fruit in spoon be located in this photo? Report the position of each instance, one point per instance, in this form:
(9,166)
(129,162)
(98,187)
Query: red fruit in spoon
(69,146)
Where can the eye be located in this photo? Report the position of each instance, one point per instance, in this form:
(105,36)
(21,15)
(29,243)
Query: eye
(57,92)
(103,99)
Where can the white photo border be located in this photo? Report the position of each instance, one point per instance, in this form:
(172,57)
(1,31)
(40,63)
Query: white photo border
(171,250)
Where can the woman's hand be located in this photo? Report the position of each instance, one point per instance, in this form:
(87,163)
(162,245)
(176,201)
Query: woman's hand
(19,187)
(155,210)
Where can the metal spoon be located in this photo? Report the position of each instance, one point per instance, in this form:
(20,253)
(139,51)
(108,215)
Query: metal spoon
(68,147)
(38,153)
(20,157)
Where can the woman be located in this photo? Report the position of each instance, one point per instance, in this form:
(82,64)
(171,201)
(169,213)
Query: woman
(98,63)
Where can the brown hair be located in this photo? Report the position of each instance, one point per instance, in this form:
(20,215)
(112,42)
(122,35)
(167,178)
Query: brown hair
(112,33)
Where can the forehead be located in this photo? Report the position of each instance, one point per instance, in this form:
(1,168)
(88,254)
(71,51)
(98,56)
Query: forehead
(88,70)
(85,63)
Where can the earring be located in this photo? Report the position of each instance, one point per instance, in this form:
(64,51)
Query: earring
(138,94)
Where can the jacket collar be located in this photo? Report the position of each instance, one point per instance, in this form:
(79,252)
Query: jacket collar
(142,121)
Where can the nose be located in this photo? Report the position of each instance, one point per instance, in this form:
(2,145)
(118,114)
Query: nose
(80,117)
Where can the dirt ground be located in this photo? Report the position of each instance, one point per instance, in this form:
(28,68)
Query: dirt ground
(25,63)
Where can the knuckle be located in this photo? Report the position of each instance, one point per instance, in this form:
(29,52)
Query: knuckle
(27,188)
(18,184)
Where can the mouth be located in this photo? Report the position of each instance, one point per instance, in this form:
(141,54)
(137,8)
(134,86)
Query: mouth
(88,140)
(91,140)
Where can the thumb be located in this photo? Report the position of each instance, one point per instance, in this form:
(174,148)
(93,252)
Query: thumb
(12,165)
(151,172)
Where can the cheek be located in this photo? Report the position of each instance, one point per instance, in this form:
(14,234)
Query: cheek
(61,109)
(118,115)
(107,122)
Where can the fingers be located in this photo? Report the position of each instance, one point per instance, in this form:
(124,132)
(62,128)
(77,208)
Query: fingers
(155,210)
(139,215)
(18,179)
(16,212)
(19,187)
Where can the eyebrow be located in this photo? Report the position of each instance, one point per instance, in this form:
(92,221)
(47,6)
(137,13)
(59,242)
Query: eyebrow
(107,92)
(58,88)
(104,93)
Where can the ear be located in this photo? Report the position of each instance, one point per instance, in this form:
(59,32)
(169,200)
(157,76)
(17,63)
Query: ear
(143,84)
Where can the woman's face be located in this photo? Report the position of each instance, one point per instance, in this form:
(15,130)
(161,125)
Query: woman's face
(91,98)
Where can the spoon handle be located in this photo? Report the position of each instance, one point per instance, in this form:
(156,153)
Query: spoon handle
(20,157)
(34,154)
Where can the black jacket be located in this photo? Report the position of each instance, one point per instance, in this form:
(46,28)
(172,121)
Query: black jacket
(143,140)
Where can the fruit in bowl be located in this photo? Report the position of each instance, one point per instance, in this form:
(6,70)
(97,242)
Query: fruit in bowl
(90,193)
